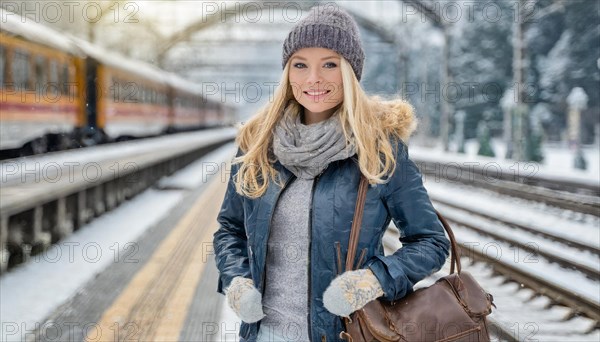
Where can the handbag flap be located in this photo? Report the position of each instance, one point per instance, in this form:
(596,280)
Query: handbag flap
(376,320)
(475,299)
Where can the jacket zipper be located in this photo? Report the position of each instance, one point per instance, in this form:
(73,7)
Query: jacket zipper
(312,196)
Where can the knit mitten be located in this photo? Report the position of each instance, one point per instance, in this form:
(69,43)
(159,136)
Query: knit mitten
(245,300)
(351,291)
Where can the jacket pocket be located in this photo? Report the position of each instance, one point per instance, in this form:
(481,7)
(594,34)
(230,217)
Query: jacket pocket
(341,260)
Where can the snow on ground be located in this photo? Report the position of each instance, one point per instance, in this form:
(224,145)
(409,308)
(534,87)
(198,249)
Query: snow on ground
(197,173)
(24,168)
(575,282)
(540,322)
(23,302)
(540,243)
(558,159)
(508,210)
(33,290)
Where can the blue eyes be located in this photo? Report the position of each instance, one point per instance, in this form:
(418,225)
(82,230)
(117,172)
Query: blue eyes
(328,65)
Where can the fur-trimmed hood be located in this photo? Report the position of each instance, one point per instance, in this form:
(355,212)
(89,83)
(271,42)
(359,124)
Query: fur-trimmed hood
(398,117)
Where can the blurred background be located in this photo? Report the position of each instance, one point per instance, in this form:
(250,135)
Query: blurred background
(454,63)
(105,103)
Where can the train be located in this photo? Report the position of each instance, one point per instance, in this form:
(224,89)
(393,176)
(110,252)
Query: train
(59,92)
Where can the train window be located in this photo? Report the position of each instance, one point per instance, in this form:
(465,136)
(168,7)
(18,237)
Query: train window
(120,90)
(124,92)
(143,92)
(137,93)
(61,78)
(20,70)
(41,74)
(65,81)
(53,74)
(114,89)
(3,61)
(132,93)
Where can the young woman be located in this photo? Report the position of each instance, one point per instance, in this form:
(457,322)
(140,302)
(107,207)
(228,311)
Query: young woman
(286,217)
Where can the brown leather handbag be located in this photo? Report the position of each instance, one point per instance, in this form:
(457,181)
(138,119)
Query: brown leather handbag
(454,308)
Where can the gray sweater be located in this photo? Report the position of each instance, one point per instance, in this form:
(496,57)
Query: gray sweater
(285,301)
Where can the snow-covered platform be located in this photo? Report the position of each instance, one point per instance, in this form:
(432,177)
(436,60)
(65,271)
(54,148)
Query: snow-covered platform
(144,271)
(46,198)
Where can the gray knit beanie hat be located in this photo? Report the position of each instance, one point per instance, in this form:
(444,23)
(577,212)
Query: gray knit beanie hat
(327,26)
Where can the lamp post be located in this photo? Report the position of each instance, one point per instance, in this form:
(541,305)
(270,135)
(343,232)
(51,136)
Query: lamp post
(459,134)
(577,101)
(508,104)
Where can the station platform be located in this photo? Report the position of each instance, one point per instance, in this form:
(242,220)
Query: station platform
(157,286)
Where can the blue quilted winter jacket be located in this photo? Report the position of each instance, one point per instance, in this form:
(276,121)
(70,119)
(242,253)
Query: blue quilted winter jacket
(240,243)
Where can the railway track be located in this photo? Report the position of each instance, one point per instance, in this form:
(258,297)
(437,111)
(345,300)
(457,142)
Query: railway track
(541,264)
(545,303)
(564,269)
(566,200)
(569,254)
(520,180)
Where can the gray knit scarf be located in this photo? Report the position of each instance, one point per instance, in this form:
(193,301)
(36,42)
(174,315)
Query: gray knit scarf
(306,150)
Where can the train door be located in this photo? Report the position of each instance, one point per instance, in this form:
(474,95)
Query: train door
(92,129)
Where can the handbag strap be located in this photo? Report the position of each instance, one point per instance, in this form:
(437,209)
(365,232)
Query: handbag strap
(358,215)
(356,222)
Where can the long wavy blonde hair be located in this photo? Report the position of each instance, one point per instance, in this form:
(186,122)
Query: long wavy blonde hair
(370,120)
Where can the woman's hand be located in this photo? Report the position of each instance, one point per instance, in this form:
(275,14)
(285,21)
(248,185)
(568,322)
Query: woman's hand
(351,291)
(245,300)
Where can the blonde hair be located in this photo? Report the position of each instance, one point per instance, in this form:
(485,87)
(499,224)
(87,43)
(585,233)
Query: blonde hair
(370,120)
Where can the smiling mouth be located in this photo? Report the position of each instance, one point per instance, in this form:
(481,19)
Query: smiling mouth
(316,93)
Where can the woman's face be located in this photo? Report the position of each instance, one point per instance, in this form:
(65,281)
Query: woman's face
(316,80)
